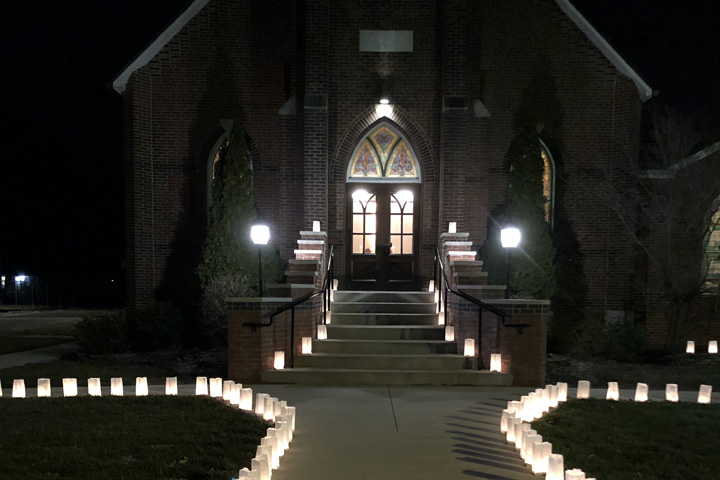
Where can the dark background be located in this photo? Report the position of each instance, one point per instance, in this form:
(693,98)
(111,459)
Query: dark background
(61,181)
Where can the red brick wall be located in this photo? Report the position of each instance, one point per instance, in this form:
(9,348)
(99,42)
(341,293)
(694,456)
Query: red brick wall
(250,56)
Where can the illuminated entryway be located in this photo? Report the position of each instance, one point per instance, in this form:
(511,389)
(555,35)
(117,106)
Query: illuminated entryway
(383,213)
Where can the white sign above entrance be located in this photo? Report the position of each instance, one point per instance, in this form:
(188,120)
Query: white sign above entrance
(386,40)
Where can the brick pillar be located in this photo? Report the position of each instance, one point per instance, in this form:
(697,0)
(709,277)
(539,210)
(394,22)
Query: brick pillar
(252,352)
(316,111)
(522,355)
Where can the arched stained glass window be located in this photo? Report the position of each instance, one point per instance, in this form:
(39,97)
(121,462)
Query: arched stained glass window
(712,255)
(383,154)
(548,180)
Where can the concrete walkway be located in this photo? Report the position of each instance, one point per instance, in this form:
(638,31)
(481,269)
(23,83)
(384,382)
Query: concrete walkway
(39,355)
(390,433)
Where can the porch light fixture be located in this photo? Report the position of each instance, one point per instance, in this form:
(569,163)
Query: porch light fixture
(260,235)
(70,387)
(690,348)
(384,108)
(509,239)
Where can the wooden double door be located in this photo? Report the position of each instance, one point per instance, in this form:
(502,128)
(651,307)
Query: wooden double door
(382,236)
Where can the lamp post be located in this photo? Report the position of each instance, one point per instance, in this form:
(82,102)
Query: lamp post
(260,234)
(510,239)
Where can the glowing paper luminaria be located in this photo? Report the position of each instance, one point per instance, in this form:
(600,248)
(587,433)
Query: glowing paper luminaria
(469,347)
(235,394)
(216,387)
(613,392)
(228,386)
(583,389)
(574,474)
(690,348)
(562,392)
(541,452)
(246,399)
(449,333)
(279,363)
(70,387)
(495,362)
(43,387)
(116,386)
(201,386)
(705,394)
(431,287)
(452,227)
(141,387)
(94,388)
(171,386)
(556,467)
(18,390)
(712,346)
(306,345)
(441,318)
(671,392)
(322,332)
(316,226)
(641,392)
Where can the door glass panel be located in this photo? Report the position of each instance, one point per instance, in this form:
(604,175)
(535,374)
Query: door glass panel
(407,223)
(395,226)
(396,241)
(372,206)
(370,223)
(394,206)
(370,244)
(357,244)
(407,244)
(357,223)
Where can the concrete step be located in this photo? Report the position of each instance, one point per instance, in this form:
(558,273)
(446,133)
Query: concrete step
(304,265)
(286,289)
(366,361)
(472,265)
(311,376)
(301,276)
(384,297)
(471,278)
(382,307)
(384,318)
(385,332)
(400,347)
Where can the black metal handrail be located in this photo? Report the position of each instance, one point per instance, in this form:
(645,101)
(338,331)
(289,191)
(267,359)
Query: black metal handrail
(324,291)
(444,289)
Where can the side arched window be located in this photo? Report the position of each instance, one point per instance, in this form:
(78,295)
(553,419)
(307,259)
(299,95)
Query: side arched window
(548,180)
(712,254)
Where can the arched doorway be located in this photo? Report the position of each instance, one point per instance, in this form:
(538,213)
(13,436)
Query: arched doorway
(383,189)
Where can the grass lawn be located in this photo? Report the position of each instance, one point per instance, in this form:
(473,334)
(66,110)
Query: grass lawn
(134,438)
(82,370)
(14,343)
(628,440)
(688,371)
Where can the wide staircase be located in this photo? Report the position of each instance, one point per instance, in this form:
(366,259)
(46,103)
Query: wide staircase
(385,338)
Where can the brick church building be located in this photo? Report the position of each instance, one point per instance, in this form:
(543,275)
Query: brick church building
(354,110)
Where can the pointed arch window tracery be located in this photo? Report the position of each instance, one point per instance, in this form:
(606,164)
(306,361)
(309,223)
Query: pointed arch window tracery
(383,154)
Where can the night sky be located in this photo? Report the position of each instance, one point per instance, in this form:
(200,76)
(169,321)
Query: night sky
(61,183)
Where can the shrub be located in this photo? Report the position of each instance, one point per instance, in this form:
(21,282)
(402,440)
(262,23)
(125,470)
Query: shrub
(103,334)
(155,327)
(619,341)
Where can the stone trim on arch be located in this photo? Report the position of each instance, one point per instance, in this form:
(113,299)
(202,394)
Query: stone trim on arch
(367,120)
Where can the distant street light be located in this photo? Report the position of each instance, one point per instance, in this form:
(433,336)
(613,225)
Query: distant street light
(510,239)
(260,235)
